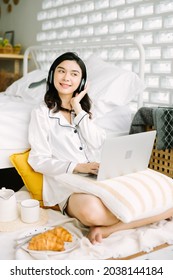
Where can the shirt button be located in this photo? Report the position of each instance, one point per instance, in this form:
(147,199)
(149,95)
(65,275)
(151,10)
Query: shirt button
(80,148)
(75,131)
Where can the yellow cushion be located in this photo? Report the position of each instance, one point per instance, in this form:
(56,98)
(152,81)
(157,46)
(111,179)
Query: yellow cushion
(32,180)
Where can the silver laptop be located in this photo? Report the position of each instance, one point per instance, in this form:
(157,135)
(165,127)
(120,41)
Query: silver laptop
(125,154)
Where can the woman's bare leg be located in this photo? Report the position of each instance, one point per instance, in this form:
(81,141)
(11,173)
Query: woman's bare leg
(106,231)
(90,211)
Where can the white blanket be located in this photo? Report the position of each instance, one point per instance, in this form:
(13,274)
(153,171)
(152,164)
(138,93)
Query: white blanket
(117,245)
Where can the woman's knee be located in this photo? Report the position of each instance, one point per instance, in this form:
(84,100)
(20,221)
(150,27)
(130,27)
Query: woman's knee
(94,212)
(87,208)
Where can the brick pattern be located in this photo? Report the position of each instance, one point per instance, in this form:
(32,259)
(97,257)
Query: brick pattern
(150,22)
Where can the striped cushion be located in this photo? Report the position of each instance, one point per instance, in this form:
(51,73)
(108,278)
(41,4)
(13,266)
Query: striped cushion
(130,197)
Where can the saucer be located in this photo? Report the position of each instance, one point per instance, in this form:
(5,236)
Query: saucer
(18,224)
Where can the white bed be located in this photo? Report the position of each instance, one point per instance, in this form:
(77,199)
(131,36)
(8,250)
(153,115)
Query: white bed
(114,114)
(16,104)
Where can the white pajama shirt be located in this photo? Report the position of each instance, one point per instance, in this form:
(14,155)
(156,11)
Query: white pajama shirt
(57,146)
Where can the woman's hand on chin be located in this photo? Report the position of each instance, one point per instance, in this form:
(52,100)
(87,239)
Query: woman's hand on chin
(75,101)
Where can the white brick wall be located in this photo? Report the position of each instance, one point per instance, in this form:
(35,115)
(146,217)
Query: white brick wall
(150,22)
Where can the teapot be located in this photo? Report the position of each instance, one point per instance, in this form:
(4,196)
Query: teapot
(8,205)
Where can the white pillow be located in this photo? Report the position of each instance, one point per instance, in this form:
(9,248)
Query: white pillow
(20,88)
(111,85)
(131,197)
(117,120)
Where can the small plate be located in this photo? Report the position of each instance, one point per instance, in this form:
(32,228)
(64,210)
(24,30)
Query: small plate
(68,245)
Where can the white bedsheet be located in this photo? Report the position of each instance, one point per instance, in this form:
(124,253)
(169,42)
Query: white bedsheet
(117,245)
(14,119)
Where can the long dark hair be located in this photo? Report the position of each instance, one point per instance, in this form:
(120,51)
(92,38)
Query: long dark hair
(51,98)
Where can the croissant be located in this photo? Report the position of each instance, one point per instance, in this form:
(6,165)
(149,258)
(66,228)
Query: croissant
(62,233)
(52,240)
(44,244)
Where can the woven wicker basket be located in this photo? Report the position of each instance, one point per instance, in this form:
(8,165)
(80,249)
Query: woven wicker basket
(161,160)
(7,49)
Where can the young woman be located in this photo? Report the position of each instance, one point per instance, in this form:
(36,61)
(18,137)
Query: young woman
(64,139)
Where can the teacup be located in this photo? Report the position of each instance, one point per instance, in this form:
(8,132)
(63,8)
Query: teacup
(30,211)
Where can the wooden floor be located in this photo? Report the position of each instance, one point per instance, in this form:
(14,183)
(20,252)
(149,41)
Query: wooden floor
(162,252)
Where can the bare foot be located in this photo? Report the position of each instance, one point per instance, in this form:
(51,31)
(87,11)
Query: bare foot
(95,235)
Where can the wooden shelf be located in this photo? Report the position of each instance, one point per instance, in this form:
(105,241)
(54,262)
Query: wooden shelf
(11,56)
(14,57)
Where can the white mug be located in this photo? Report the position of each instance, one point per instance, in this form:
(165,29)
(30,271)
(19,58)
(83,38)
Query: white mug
(30,211)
